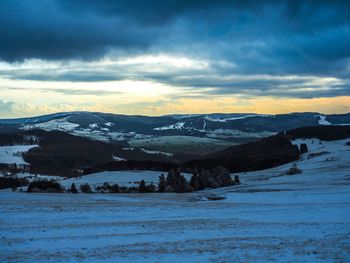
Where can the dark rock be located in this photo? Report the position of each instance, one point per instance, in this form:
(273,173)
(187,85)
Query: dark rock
(293,170)
(215,198)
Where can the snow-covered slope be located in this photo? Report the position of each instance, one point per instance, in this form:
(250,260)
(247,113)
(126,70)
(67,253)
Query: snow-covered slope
(326,164)
(13,154)
(56,124)
(322,120)
(106,127)
(270,217)
(122,178)
(176,126)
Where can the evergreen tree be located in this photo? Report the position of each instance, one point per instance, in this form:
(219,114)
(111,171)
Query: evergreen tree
(85,188)
(73,189)
(142,187)
(162,183)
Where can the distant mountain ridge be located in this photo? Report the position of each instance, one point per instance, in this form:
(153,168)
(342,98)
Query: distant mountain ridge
(227,126)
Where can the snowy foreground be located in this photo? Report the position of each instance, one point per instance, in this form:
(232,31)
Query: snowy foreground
(270,217)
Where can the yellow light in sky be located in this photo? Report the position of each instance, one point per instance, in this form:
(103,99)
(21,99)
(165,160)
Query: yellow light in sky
(134,92)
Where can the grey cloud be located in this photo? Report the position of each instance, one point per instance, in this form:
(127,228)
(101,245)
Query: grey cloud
(304,38)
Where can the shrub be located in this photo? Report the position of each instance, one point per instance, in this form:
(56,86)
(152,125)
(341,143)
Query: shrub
(114,188)
(162,183)
(303,148)
(45,186)
(73,189)
(85,188)
(178,182)
(11,182)
(151,188)
(215,198)
(142,187)
(237,180)
(293,170)
(195,183)
(107,188)
(213,178)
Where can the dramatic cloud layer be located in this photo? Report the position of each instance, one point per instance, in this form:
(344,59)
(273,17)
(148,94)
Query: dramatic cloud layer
(182,49)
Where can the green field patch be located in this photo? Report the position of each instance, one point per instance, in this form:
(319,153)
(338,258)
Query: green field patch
(182,144)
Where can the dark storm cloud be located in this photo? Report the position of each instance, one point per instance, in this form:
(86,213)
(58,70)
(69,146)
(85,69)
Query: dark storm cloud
(44,29)
(260,37)
(61,29)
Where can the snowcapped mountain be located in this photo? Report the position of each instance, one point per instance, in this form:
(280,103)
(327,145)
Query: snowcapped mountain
(107,127)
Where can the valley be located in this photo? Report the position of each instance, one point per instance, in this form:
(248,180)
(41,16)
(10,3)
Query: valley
(292,202)
(271,215)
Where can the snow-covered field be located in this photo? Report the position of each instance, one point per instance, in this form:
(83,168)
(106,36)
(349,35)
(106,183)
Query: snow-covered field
(122,178)
(270,217)
(55,124)
(13,154)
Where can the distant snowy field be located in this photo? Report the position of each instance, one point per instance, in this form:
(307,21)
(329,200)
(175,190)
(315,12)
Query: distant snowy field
(270,217)
(122,178)
(13,154)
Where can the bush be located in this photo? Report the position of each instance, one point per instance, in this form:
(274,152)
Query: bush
(213,178)
(237,180)
(142,187)
(114,188)
(178,182)
(45,186)
(85,188)
(107,188)
(293,170)
(195,183)
(303,148)
(73,189)
(162,183)
(11,182)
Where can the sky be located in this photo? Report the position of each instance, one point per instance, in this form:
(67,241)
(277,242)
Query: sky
(163,57)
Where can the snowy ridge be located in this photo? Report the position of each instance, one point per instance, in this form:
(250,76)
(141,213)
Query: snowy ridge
(176,126)
(322,120)
(118,159)
(55,124)
(235,118)
(156,152)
